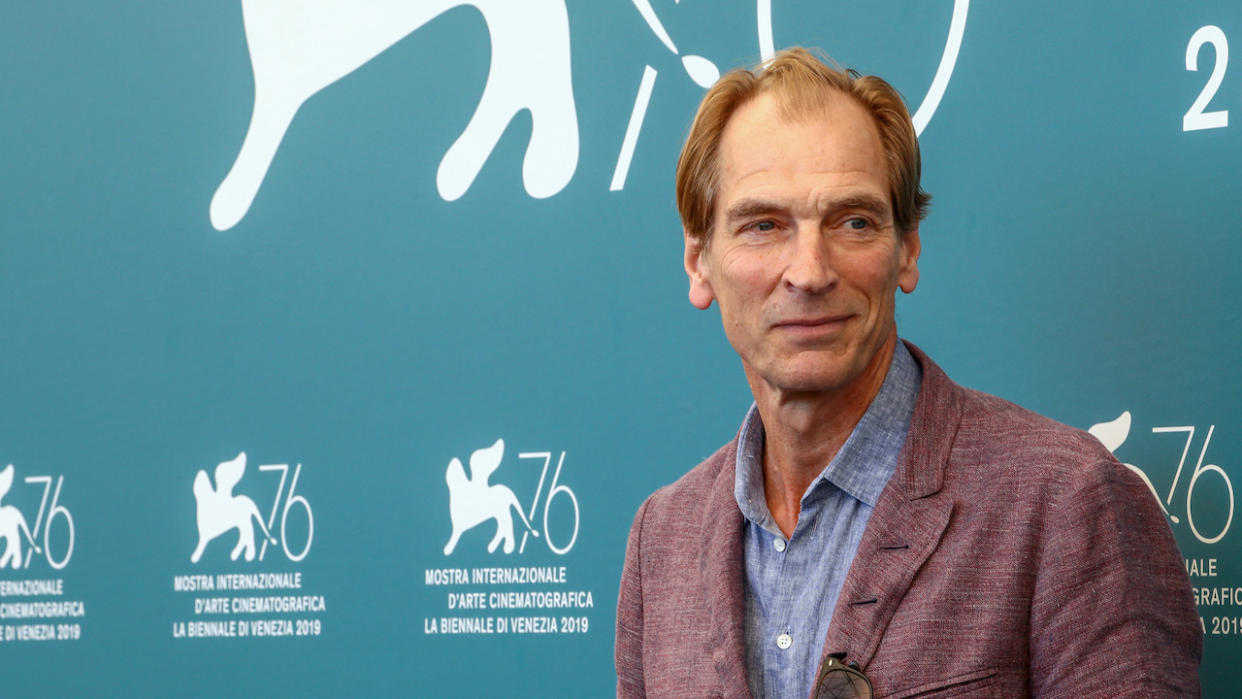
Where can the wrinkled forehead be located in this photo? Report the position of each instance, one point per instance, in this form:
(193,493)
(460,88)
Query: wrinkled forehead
(833,136)
(780,107)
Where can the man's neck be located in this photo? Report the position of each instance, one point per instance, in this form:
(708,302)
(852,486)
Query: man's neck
(804,431)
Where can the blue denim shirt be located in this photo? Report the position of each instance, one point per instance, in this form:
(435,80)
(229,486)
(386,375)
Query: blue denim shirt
(792,585)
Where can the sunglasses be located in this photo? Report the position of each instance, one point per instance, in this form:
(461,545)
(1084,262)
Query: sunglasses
(836,680)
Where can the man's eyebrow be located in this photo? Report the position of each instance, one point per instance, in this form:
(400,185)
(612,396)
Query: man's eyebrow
(747,208)
(866,202)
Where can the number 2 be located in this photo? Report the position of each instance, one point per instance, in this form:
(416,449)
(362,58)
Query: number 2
(1195,118)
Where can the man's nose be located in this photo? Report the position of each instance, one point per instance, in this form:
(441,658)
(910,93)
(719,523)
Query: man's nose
(809,265)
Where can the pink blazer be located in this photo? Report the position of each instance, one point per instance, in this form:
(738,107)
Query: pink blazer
(1009,556)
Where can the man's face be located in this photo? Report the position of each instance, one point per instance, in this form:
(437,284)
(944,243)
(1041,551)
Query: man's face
(803,259)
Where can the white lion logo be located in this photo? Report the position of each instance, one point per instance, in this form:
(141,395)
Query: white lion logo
(299,47)
(219,510)
(12,524)
(472,501)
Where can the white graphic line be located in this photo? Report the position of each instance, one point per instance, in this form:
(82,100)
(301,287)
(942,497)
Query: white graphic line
(954,43)
(644,9)
(635,126)
(767,49)
(957,27)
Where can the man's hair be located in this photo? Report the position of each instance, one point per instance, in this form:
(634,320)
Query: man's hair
(802,84)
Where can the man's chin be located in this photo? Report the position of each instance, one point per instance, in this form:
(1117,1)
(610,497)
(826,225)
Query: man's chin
(820,379)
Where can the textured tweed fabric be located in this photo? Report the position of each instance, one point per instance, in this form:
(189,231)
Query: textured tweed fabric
(1009,556)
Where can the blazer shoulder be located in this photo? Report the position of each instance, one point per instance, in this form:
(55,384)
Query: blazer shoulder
(1042,468)
(684,500)
(978,435)
(995,427)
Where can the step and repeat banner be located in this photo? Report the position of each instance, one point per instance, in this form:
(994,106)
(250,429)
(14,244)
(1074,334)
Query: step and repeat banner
(342,340)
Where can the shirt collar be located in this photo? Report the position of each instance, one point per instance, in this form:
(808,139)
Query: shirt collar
(863,465)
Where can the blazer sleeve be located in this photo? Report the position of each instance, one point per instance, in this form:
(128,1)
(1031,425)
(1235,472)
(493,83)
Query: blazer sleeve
(1112,613)
(629,647)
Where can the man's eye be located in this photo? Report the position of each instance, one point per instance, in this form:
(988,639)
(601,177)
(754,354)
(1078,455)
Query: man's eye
(857,224)
(763,226)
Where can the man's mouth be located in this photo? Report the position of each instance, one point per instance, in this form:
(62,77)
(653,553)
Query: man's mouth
(819,321)
(813,327)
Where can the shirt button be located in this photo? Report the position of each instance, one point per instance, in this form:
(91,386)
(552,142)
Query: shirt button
(784,641)
(779,545)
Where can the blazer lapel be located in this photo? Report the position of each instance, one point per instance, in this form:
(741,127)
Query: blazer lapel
(720,569)
(906,525)
(890,553)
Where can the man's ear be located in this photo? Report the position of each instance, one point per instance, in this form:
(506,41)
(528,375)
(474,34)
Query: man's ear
(908,274)
(697,270)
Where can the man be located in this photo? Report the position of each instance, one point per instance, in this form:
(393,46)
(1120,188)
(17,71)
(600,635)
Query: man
(871,513)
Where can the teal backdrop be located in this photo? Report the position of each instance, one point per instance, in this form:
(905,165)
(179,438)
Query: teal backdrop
(361,321)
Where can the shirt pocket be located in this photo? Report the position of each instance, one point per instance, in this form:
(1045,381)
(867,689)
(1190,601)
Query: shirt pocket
(977,684)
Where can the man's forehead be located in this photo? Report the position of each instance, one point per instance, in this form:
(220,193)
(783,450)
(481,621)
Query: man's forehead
(838,144)
(768,113)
